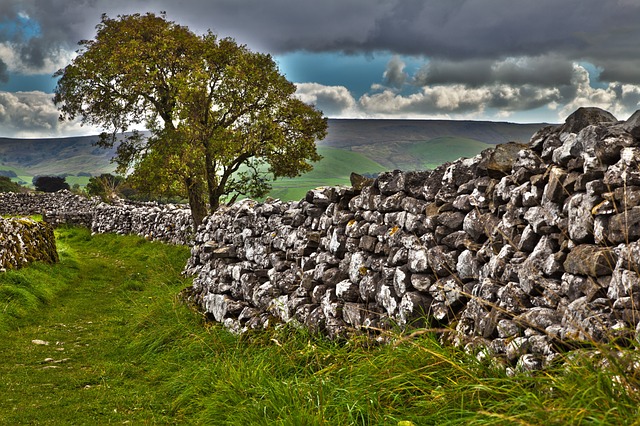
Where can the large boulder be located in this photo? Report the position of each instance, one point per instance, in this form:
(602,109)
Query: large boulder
(586,116)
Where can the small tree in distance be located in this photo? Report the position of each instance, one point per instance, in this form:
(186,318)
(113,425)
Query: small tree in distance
(50,183)
(223,120)
(106,186)
(7,185)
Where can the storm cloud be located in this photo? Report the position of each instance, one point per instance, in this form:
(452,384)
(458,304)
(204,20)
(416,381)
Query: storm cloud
(602,33)
(540,71)
(4,76)
(476,58)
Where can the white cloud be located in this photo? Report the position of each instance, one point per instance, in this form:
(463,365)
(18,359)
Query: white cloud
(394,75)
(500,99)
(15,63)
(458,99)
(33,114)
(619,99)
(333,101)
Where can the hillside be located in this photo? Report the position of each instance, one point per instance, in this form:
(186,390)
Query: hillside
(73,156)
(418,144)
(334,169)
(346,133)
(371,146)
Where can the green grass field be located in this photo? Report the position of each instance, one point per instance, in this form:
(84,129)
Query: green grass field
(435,152)
(333,170)
(123,349)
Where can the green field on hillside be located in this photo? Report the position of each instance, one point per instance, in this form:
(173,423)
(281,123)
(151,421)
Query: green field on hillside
(421,155)
(334,169)
(388,145)
(437,151)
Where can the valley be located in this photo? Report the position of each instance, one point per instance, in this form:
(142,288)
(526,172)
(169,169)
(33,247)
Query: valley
(362,146)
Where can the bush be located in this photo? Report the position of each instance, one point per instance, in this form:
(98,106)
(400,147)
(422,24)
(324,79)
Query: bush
(50,183)
(7,185)
(107,186)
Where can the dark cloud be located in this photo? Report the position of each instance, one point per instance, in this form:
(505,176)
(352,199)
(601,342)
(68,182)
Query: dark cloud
(463,29)
(503,55)
(473,72)
(34,52)
(452,30)
(395,76)
(625,70)
(538,71)
(4,75)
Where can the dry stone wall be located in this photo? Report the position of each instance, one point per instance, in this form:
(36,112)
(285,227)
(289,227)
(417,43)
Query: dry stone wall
(523,250)
(58,207)
(168,223)
(23,241)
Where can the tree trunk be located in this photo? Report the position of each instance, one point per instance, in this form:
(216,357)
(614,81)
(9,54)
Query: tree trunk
(213,190)
(196,201)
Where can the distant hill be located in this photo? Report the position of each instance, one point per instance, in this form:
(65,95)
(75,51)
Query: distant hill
(407,144)
(56,156)
(361,146)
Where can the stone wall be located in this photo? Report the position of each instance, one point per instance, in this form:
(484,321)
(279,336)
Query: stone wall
(56,208)
(23,241)
(522,250)
(168,223)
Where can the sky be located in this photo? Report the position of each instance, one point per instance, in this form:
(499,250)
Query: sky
(499,60)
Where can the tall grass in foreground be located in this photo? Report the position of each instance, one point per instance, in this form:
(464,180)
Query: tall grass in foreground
(135,353)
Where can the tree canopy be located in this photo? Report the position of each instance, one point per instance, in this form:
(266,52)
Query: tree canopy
(7,185)
(222,120)
(50,183)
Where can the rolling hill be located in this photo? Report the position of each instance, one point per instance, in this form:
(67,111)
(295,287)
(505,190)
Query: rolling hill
(76,157)
(361,146)
(392,143)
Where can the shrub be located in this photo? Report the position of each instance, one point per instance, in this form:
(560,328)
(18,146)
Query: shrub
(7,185)
(50,183)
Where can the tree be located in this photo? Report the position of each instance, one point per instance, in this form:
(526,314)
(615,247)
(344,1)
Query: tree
(50,183)
(106,186)
(7,185)
(223,120)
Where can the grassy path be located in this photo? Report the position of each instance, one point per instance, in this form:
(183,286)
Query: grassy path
(82,374)
(121,349)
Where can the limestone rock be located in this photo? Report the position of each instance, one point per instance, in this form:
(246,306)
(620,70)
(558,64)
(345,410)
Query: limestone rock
(632,125)
(624,227)
(500,161)
(590,260)
(358,181)
(586,116)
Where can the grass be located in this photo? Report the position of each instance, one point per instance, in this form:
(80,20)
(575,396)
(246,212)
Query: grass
(437,151)
(422,155)
(124,349)
(333,170)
